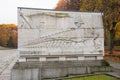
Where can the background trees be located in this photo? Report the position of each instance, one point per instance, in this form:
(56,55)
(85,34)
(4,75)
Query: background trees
(8,35)
(68,5)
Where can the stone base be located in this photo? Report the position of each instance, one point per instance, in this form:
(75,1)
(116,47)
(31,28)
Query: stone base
(54,69)
(24,58)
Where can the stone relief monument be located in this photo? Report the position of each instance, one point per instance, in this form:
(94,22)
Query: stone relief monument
(60,35)
(55,44)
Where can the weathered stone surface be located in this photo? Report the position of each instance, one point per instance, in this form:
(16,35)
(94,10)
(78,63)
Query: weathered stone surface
(48,32)
(55,69)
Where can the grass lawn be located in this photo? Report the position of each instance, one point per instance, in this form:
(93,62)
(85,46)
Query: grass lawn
(96,77)
(3,48)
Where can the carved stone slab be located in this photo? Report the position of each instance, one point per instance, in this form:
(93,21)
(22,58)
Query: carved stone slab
(49,32)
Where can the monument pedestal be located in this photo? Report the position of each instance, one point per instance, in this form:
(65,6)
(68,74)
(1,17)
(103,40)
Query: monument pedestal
(55,69)
(55,43)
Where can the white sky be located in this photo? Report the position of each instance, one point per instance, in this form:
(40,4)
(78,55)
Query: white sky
(8,8)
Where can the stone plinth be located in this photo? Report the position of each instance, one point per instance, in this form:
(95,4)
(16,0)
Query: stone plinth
(55,69)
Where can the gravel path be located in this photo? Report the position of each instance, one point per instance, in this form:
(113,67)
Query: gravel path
(7,60)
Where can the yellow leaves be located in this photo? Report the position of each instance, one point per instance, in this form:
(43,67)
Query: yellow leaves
(117,33)
(68,5)
(117,27)
(7,31)
(3,39)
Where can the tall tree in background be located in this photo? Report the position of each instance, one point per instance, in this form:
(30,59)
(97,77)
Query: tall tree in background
(8,35)
(10,42)
(112,37)
(68,5)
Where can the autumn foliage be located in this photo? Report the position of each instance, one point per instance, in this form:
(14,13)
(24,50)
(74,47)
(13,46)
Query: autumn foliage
(68,5)
(8,35)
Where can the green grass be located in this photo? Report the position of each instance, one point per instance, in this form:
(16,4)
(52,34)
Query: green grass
(96,77)
(113,61)
(4,48)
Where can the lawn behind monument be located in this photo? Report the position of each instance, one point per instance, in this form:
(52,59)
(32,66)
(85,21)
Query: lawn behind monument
(4,48)
(96,77)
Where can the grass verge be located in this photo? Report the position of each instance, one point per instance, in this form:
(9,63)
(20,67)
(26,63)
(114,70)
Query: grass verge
(4,48)
(95,77)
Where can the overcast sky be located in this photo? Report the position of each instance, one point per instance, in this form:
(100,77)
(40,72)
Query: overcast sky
(8,8)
